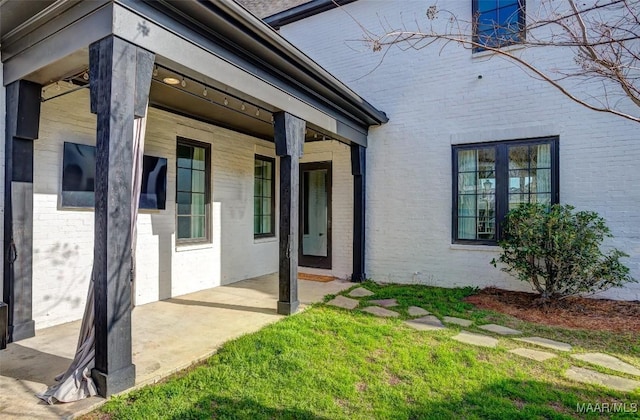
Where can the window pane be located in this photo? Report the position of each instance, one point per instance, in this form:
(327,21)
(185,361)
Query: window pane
(486,160)
(543,181)
(197,226)
(519,157)
(258,186)
(257,206)
(184,203)
(266,206)
(467,183)
(466,228)
(257,224)
(466,205)
(268,170)
(198,181)
(266,189)
(198,158)
(184,179)
(184,156)
(541,156)
(519,181)
(184,227)
(466,160)
(266,224)
(198,207)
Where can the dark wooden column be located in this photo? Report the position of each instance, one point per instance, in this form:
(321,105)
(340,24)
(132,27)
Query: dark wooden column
(120,75)
(359,171)
(22,124)
(289,138)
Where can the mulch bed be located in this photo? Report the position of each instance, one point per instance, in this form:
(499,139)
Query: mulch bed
(574,312)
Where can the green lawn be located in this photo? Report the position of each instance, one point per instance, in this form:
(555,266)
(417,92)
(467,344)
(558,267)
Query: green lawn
(336,364)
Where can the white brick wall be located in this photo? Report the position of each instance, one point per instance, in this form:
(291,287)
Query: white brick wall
(434,99)
(63,238)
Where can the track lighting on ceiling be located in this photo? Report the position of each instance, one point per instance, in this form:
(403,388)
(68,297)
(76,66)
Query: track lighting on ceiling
(155,70)
(243,106)
(226,101)
(184,82)
(171,81)
(204,92)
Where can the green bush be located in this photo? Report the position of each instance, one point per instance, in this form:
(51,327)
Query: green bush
(557,251)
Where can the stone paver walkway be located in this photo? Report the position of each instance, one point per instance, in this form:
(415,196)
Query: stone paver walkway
(458,321)
(360,292)
(381,312)
(428,322)
(532,354)
(417,311)
(592,377)
(609,362)
(499,329)
(475,339)
(545,342)
(344,302)
(387,303)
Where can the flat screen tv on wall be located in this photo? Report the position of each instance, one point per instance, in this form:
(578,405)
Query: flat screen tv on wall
(78,178)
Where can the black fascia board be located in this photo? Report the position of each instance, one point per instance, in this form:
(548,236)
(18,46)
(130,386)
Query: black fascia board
(303,11)
(208,25)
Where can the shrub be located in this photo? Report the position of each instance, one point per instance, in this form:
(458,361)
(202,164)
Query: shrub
(557,251)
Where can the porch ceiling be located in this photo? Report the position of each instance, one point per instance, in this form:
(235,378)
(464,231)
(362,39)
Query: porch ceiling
(216,43)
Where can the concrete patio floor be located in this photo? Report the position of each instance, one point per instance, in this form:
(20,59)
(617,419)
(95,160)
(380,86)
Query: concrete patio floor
(167,336)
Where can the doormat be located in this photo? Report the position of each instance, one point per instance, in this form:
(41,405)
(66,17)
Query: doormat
(315,277)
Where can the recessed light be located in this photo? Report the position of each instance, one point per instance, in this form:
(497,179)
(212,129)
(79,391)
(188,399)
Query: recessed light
(171,81)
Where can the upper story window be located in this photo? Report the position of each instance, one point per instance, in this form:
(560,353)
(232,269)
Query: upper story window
(490,179)
(264,198)
(193,173)
(497,23)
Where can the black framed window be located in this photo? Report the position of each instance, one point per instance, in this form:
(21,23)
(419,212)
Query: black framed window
(264,198)
(498,23)
(489,179)
(193,174)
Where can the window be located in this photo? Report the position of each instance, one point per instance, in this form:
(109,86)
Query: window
(490,179)
(497,23)
(192,191)
(264,199)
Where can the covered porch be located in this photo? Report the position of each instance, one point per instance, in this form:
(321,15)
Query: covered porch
(210,77)
(167,336)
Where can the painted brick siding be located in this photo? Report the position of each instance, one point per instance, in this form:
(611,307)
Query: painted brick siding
(435,99)
(63,238)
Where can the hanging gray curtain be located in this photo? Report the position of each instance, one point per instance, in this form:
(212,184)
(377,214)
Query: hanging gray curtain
(76,383)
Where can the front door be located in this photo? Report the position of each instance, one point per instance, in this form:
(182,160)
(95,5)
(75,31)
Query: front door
(315,215)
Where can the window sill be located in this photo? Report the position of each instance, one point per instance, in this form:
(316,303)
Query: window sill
(461,247)
(265,240)
(488,54)
(193,247)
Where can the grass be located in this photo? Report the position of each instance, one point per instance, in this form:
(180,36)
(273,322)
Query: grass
(328,363)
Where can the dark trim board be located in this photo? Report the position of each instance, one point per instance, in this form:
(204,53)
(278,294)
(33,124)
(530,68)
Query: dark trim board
(303,11)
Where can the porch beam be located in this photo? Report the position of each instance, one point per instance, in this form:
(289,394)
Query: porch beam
(120,75)
(21,129)
(359,171)
(289,139)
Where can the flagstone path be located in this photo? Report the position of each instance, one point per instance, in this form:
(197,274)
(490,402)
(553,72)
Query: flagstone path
(424,321)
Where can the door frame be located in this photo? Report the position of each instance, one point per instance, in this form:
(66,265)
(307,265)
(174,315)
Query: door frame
(310,260)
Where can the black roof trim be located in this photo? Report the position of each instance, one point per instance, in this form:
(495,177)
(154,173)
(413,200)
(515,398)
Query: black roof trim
(303,11)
